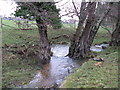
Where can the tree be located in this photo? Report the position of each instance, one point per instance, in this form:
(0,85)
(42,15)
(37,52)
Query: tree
(112,21)
(115,40)
(82,41)
(76,37)
(44,13)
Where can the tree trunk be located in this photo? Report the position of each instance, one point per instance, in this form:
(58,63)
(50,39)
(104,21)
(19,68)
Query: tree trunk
(96,26)
(44,46)
(76,37)
(82,48)
(115,40)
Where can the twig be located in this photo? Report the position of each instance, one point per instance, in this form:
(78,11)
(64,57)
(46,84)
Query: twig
(75,8)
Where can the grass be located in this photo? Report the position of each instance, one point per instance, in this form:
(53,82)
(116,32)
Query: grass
(13,36)
(18,70)
(91,76)
(101,36)
(19,37)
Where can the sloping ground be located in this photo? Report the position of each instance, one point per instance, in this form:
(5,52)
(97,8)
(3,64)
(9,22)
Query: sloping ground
(17,70)
(91,76)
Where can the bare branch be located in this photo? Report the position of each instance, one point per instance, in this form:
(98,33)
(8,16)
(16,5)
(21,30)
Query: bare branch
(58,1)
(75,8)
(64,3)
(67,14)
(113,16)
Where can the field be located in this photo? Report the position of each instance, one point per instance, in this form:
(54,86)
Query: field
(19,70)
(13,36)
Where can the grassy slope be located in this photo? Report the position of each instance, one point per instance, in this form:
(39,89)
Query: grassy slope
(91,76)
(18,70)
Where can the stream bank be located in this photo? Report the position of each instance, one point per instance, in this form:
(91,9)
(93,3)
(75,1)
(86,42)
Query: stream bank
(92,76)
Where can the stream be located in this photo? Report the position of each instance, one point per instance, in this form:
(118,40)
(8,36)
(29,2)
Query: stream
(53,74)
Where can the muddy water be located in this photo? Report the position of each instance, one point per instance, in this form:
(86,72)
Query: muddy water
(53,74)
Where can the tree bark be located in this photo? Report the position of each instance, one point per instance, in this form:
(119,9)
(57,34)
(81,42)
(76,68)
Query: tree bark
(44,46)
(76,37)
(82,48)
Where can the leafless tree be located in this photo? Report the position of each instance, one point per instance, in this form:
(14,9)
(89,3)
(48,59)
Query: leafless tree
(87,28)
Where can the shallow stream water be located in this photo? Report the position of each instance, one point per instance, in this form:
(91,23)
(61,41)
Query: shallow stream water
(60,66)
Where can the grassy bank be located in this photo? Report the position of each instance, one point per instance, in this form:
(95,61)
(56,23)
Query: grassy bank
(91,76)
(18,69)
